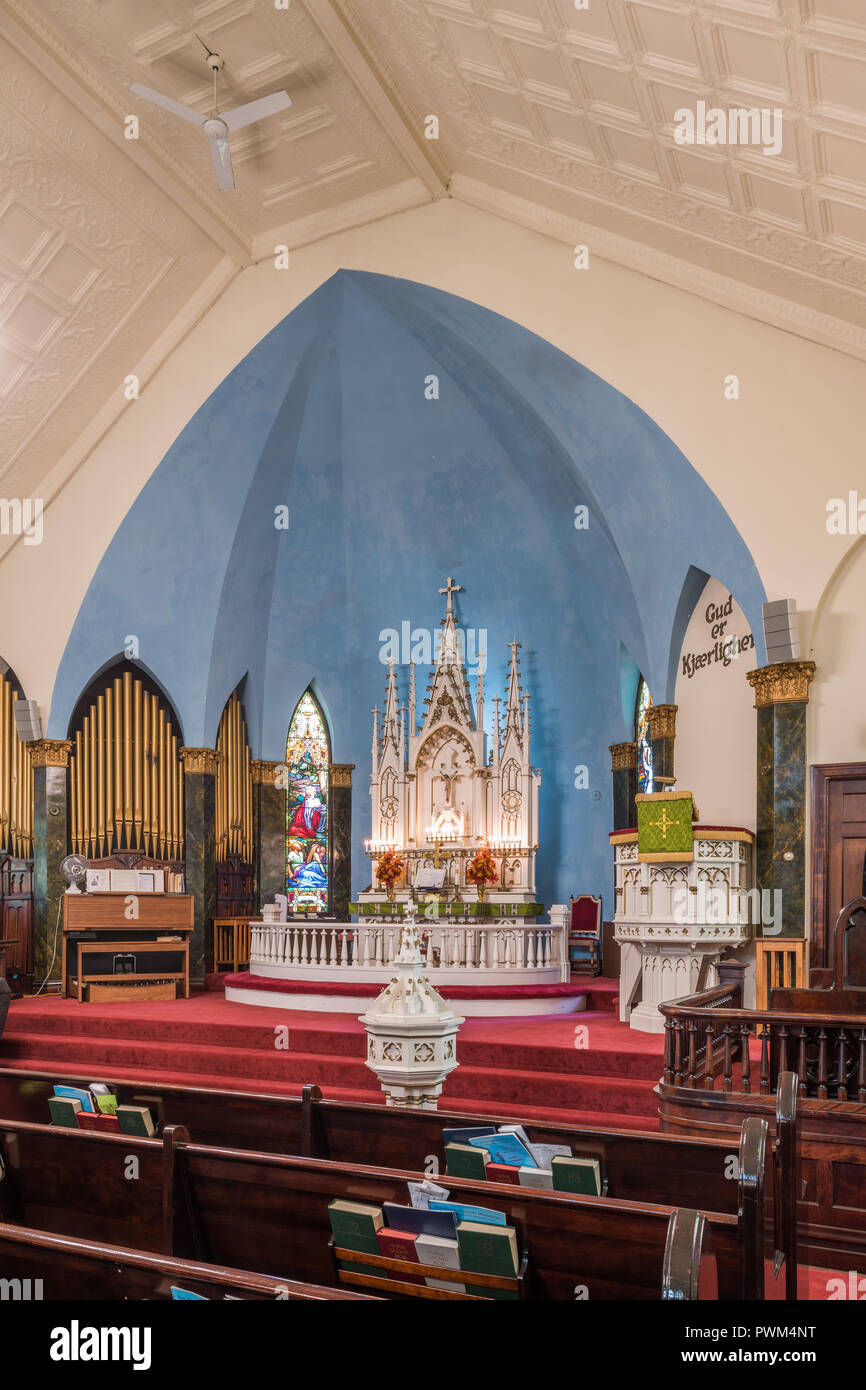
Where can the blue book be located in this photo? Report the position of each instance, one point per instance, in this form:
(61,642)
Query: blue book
(505,1148)
(463,1136)
(185,1293)
(75,1093)
(415,1219)
(463,1213)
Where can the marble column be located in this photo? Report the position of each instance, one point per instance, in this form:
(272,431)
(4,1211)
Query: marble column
(341,839)
(49,760)
(662,730)
(269,830)
(781,697)
(199,803)
(623,763)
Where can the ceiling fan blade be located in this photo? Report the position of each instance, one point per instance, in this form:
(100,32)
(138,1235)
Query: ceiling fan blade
(255,110)
(175,107)
(222,162)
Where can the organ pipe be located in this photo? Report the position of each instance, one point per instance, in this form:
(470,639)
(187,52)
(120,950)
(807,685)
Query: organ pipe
(126,775)
(234,785)
(16,780)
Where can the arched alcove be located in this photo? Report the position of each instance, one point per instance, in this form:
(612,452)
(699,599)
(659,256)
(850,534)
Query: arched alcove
(323,492)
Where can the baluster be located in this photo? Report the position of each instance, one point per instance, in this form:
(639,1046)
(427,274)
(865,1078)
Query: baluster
(709,1056)
(727,1083)
(764,1035)
(668,1074)
(547,940)
(693,1053)
(801,1061)
(482,948)
(678,1052)
(822,1065)
(842,1072)
(861,1074)
(333,946)
(783,1047)
(530,956)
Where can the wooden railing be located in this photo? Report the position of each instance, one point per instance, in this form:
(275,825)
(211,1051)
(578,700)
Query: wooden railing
(713,1044)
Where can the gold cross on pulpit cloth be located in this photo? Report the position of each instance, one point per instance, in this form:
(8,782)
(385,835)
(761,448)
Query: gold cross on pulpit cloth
(664,830)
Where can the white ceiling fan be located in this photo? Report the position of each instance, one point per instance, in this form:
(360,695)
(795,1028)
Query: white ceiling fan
(218,125)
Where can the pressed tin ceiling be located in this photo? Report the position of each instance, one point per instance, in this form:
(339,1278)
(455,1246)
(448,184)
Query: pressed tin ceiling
(556,117)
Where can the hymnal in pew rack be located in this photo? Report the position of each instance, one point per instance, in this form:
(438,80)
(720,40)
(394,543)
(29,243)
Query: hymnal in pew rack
(98,926)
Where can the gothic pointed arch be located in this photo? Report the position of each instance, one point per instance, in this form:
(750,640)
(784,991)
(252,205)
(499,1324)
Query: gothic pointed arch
(308,821)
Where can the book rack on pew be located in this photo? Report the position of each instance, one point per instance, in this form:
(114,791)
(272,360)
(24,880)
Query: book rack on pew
(517,1284)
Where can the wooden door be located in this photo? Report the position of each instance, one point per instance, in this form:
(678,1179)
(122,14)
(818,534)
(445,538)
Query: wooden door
(838,851)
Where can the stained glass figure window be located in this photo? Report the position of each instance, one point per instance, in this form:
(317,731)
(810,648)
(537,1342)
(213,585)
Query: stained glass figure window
(308,858)
(643,704)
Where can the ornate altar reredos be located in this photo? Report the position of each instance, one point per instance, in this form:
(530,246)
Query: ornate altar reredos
(439,793)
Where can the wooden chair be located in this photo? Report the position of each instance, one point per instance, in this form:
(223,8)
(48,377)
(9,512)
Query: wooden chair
(584,935)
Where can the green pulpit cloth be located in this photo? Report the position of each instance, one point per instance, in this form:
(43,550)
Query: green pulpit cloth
(664,827)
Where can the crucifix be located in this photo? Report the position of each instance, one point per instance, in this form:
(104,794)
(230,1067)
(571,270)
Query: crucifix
(451,588)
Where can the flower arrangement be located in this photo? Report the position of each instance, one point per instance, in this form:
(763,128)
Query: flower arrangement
(388,870)
(481,870)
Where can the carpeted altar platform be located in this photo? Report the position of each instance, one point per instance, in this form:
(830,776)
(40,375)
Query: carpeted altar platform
(586,1068)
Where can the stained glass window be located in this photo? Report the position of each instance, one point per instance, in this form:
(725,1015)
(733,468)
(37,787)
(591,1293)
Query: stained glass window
(308,859)
(643,705)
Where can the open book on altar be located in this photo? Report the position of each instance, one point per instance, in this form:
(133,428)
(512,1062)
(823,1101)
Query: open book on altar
(664,826)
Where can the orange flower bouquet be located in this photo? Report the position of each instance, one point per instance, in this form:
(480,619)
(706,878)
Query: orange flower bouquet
(481,870)
(388,870)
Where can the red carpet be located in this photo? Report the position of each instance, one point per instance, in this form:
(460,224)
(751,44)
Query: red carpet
(579,1068)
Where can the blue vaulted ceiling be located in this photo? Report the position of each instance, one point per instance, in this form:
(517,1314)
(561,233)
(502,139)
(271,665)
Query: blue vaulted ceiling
(388,493)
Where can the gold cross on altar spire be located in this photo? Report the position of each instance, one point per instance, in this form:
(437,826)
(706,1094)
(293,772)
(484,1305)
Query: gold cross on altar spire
(451,588)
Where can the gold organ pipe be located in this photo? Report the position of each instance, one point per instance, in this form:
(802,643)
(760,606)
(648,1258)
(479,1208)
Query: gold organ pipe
(137,761)
(118,761)
(180,809)
(85,783)
(78,792)
(127,756)
(109,770)
(175,803)
(147,754)
(162,772)
(233,779)
(5,769)
(154,773)
(100,774)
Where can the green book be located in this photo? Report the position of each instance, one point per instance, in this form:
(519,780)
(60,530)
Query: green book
(488,1250)
(134,1119)
(354,1225)
(106,1105)
(465,1161)
(63,1111)
(576,1175)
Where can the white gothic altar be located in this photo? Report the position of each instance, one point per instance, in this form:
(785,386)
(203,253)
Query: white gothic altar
(441,789)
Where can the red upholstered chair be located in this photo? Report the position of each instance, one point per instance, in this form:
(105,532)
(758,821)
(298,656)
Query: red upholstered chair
(584,934)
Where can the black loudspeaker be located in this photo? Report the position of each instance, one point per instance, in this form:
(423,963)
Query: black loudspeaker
(781,632)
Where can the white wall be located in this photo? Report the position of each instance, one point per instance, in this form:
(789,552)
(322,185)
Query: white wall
(716,737)
(792,440)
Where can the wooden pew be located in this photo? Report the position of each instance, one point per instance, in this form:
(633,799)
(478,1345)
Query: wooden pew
(77,1269)
(268,1212)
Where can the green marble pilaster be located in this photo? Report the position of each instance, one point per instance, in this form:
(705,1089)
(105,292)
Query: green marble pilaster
(341,839)
(623,763)
(781,697)
(269,815)
(199,802)
(49,761)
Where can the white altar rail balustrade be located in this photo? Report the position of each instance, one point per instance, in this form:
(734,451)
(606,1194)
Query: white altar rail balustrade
(510,952)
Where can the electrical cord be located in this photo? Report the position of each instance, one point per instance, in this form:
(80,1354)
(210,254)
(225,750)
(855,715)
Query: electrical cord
(54,948)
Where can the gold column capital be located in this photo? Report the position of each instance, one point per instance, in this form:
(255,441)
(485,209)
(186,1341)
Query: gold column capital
(662,721)
(781,683)
(341,774)
(200,760)
(622,755)
(50,752)
(265,774)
